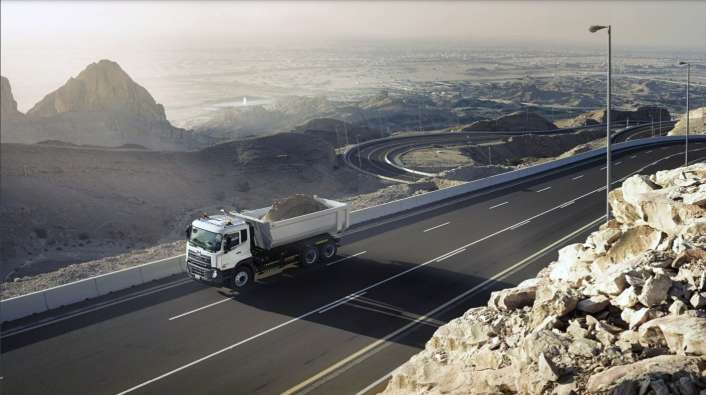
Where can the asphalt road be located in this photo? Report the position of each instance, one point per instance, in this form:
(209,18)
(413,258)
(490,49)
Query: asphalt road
(328,330)
(373,158)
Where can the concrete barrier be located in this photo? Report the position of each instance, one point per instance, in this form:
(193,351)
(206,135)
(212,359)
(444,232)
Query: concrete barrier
(41,301)
(162,268)
(22,306)
(74,292)
(92,287)
(116,281)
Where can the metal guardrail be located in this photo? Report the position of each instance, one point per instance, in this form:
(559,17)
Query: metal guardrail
(78,291)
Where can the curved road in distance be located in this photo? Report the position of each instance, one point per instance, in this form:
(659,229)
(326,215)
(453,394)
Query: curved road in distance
(331,329)
(375,157)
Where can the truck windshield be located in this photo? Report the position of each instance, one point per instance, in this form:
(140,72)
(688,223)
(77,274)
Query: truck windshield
(207,240)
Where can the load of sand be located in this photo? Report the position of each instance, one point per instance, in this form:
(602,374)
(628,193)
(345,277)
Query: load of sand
(293,206)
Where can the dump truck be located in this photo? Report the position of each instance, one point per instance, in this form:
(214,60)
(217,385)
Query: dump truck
(238,248)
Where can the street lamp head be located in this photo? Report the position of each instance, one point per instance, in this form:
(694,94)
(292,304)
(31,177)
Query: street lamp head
(595,28)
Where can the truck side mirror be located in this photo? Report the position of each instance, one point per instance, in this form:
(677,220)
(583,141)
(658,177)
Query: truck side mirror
(188,232)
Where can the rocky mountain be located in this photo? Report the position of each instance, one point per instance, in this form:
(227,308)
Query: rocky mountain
(516,122)
(102,86)
(8,105)
(337,133)
(622,313)
(697,123)
(101,106)
(640,115)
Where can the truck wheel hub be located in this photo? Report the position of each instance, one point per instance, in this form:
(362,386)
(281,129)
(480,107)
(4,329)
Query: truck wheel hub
(241,278)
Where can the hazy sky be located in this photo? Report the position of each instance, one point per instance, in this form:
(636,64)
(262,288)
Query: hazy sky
(28,24)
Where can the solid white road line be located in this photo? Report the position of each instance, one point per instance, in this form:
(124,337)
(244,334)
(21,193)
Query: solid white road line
(346,258)
(577,177)
(359,355)
(374,285)
(436,227)
(346,300)
(649,152)
(567,204)
(96,307)
(449,255)
(520,224)
(617,163)
(498,205)
(544,189)
(633,157)
(200,308)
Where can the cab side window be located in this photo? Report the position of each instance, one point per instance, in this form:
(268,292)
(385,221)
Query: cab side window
(231,241)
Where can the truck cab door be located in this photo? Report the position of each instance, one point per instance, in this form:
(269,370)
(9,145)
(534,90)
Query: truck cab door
(236,248)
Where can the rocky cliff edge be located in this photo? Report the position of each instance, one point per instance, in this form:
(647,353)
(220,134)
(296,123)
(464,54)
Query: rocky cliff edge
(622,313)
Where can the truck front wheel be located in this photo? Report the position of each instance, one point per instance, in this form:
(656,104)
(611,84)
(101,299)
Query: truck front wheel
(242,278)
(310,255)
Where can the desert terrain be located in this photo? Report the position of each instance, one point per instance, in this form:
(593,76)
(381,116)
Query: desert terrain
(128,159)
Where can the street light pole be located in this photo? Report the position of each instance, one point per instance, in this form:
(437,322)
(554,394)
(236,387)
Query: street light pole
(608,167)
(686,135)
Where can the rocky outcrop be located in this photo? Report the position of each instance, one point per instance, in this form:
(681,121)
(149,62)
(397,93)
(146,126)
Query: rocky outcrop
(101,87)
(8,105)
(516,122)
(101,106)
(621,313)
(640,115)
(697,123)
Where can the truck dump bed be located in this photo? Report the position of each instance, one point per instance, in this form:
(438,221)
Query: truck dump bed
(332,220)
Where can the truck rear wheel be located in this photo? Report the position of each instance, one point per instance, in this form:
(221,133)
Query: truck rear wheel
(242,278)
(328,250)
(310,255)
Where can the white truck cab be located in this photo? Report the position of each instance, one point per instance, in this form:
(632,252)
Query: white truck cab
(216,244)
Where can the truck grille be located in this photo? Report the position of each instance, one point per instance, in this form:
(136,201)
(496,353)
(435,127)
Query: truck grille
(199,260)
(203,272)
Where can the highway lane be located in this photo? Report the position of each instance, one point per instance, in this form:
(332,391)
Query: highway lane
(124,346)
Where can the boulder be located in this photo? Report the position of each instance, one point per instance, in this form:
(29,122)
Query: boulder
(572,266)
(593,305)
(603,239)
(634,242)
(677,307)
(553,300)
(512,298)
(627,298)
(585,347)
(698,300)
(655,290)
(682,334)
(645,369)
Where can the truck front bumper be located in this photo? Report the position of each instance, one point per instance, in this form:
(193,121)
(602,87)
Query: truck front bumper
(210,275)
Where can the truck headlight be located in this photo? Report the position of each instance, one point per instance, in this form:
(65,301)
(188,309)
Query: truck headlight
(214,274)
